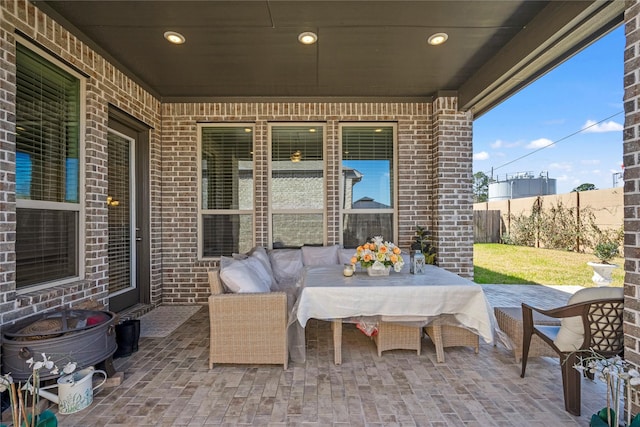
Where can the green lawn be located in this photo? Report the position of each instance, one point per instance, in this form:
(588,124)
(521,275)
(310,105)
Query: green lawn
(508,264)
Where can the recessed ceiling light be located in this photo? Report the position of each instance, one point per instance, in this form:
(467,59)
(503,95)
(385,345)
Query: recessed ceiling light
(437,38)
(247,130)
(307,37)
(175,38)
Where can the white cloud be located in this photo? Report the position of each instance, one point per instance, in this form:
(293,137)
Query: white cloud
(593,127)
(590,161)
(483,155)
(497,144)
(563,166)
(540,143)
(562,178)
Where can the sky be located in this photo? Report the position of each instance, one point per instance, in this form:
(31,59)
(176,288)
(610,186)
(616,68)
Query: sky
(577,105)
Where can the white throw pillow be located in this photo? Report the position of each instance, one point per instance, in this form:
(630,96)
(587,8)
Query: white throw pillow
(571,333)
(286,265)
(345,255)
(260,253)
(244,276)
(320,255)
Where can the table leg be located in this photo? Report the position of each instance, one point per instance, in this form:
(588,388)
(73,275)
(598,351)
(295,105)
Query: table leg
(435,333)
(336,325)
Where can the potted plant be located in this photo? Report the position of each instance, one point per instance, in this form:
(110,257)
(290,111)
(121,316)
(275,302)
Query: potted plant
(421,243)
(605,251)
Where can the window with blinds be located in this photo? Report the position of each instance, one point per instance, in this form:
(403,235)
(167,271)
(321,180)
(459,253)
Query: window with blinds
(47,170)
(297,186)
(368,179)
(226,189)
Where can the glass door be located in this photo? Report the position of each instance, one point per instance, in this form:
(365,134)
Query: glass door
(121,206)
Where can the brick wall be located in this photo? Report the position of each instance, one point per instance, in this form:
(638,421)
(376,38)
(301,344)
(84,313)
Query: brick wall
(105,86)
(631,155)
(184,278)
(452,196)
(434,184)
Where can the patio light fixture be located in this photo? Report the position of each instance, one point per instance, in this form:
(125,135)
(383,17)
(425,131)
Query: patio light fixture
(437,39)
(175,38)
(307,37)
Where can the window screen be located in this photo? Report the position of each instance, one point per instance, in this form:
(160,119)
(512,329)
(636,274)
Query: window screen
(297,187)
(47,170)
(227,189)
(368,176)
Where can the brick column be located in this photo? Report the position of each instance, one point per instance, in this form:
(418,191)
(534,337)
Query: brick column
(7,171)
(453,187)
(631,156)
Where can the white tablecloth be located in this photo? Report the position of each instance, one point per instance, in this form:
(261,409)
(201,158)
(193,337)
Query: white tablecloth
(326,294)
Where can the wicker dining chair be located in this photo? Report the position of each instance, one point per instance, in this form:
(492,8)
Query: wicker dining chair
(601,321)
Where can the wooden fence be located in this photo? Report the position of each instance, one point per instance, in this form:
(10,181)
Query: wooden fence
(487,226)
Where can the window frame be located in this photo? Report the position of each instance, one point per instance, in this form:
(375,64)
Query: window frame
(393,211)
(270,210)
(80,206)
(202,212)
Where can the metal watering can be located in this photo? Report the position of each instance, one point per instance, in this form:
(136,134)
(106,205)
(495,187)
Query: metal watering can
(75,391)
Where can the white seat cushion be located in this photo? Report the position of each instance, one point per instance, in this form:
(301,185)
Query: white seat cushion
(571,333)
(244,276)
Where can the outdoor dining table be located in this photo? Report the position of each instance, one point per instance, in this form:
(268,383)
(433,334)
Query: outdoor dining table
(438,294)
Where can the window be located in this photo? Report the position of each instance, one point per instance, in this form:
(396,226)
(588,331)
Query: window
(226,190)
(367,185)
(297,185)
(48,164)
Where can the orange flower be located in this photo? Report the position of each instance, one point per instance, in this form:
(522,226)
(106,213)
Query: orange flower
(383,249)
(367,257)
(354,260)
(396,250)
(393,258)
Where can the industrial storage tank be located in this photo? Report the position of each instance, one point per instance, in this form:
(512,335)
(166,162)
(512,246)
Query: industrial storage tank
(522,184)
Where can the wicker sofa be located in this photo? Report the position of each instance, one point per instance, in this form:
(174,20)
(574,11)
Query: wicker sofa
(251,296)
(246,327)
(249,304)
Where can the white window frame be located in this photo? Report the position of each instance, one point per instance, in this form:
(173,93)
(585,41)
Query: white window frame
(271,211)
(201,211)
(394,210)
(63,206)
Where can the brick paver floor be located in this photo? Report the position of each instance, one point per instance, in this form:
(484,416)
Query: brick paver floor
(168,383)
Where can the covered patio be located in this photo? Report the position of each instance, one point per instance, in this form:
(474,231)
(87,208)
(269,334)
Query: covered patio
(66,240)
(168,383)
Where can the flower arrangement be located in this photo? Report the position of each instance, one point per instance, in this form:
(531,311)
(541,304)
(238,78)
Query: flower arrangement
(378,254)
(619,377)
(18,399)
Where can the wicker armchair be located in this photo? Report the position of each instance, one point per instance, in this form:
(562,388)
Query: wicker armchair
(602,323)
(246,327)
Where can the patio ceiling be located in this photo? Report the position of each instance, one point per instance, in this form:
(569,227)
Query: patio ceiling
(248,50)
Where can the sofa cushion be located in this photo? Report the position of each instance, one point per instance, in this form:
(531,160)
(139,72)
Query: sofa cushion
(345,255)
(244,275)
(261,254)
(320,255)
(286,265)
(571,333)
